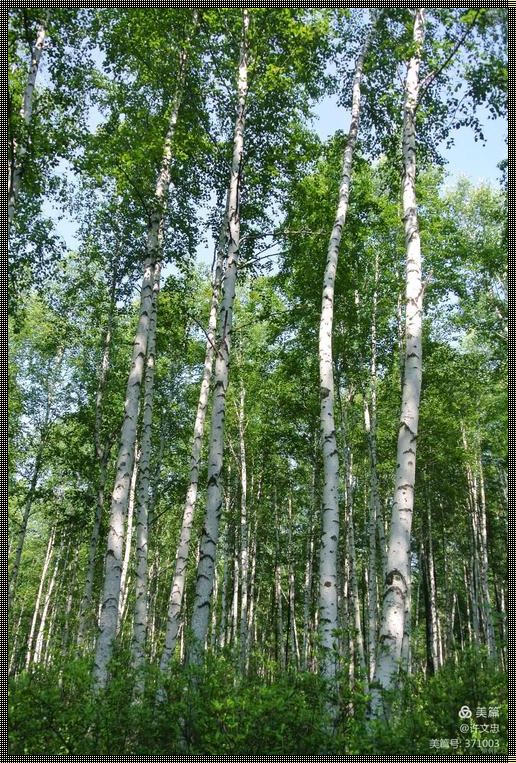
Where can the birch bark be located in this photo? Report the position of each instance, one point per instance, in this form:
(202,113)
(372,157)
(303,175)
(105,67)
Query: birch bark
(398,561)
(244,550)
(39,596)
(328,594)
(142,496)
(102,450)
(206,566)
(109,615)
(40,638)
(183,549)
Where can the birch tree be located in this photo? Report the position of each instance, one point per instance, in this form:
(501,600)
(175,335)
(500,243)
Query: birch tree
(206,566)
(178,583)
(144,478)
(397,574)
(125,461)
(330,504)
(102,450)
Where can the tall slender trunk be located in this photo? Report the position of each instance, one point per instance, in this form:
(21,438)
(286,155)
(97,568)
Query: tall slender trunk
(108,625)
(406,644)
(307,595)
(70,598)
(53,377)
(244,548)
(53,642)
(481,599)
(20,150)
(40,638)
(432,590)
(85,607)
(140,621)
(484,566)
(183,549)
(280,654)
(236,586)
(128,549)
(39,596)
(328,596)
(277,598)
(22,532)
(357,636)
(500,607)
(154,580)
(253,541)
(450,633)
(374,507)
(13,658)
(206,566)
(292,636)
(224,597)
(252,587)
(102,450)
(398,561)
(110,602)
(370,405)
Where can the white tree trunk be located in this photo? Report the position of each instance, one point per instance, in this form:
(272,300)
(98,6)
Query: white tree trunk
(358,635)
(484,566)
(206,567)
(53,380)
(236,588)
(252,587)
(22,532)
(15,643)
(278,594)
(432,589)
(110,607)
(328,616)
(183,549)
(142,496)
(224,597)
(406,645)
(40,638)
(307,599)
(481,598)
(19,151)
(128,548)
(85,606)
(244,550)
(70,598)
(398,561)
(102,453)
(108,625)
(35,616)
(374,502)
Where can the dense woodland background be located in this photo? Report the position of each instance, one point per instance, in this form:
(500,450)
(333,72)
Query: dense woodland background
(215,542)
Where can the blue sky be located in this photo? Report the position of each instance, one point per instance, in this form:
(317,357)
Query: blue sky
(468,158)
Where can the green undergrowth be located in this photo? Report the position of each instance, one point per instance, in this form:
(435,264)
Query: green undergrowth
(215,712)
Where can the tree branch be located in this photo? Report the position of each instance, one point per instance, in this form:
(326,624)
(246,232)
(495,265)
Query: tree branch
(425,84)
